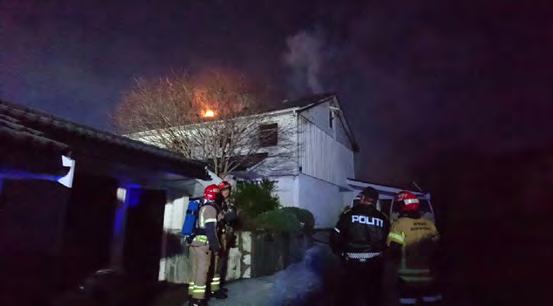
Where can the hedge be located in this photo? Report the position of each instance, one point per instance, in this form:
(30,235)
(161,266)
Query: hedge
(279,221)
(304,216)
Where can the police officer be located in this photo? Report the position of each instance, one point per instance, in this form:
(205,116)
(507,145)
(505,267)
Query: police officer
(227,219)
(413,242)
(359,238)
(204,244)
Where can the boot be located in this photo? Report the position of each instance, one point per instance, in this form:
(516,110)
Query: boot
(219,294)
(196,302)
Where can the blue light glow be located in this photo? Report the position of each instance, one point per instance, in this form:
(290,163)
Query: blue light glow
(24,175)
(120,212)
(133,196)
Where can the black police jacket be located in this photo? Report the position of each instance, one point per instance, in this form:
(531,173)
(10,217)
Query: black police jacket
(360,229)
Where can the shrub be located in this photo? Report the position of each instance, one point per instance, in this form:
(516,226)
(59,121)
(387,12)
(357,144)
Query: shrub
(254,198)
(304,216)
(279,221)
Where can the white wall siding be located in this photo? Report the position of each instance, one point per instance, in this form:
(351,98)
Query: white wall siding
(319,116)
(287,190)
(283,158)
(323,157)
(322,199)
(174,213)
(340,131)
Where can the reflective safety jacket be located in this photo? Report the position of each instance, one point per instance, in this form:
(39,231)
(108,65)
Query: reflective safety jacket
(207,227)
(360,233)
(417,238)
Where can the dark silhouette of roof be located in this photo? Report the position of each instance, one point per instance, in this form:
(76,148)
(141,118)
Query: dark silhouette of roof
(27,127)
(304,102)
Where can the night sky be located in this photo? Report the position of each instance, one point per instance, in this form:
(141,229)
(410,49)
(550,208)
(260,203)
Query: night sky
(415,77)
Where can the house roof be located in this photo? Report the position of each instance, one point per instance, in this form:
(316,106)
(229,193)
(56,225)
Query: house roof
(27,127)
(304,102)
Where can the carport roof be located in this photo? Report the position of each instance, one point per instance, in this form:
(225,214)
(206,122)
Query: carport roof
(30,128)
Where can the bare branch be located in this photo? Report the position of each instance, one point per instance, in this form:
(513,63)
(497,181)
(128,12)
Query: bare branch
(215,118)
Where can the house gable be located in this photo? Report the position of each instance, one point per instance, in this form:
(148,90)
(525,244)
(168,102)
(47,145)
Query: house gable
(328,116)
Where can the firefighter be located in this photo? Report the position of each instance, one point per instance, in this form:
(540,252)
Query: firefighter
(204,244)
(227,219)
(359,238)
(413,242)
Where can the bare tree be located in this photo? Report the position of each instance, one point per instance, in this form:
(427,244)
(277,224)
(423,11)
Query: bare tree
(214,117)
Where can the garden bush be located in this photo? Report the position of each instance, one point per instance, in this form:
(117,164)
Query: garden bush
(304,216)
(278,221)
(252,199)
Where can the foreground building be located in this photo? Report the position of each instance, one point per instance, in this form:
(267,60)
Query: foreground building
(74,200)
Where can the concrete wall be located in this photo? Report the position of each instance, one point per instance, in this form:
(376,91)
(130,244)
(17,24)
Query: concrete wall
(257,254)
(177,268)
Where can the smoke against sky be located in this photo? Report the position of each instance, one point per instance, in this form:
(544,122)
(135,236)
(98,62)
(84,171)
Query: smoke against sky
(304,57)
(413,77)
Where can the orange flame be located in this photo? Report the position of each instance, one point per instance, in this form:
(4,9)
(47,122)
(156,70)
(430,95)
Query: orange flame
(208,113)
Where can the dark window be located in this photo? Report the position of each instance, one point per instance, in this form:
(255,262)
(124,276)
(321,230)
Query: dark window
(268,135)
(330,118)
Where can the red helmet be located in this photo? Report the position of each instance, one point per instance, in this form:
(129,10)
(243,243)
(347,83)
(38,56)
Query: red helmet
(408,201)
(224,185)
(211,192)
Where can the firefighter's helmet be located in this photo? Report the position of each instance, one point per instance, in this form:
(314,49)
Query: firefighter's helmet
(224,185)
(408,202)
(211,192)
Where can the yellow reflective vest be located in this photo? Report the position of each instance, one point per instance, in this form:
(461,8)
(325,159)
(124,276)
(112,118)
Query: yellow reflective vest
(417,238)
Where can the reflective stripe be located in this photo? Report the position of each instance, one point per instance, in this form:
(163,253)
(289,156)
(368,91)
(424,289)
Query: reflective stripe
(411,201)
(199,289)
(416,278)
(337,230)
(362,255)
(408,301)
(201,238)
(210,220)
(399,238)
(201,217)
(414,271)
(432,298)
